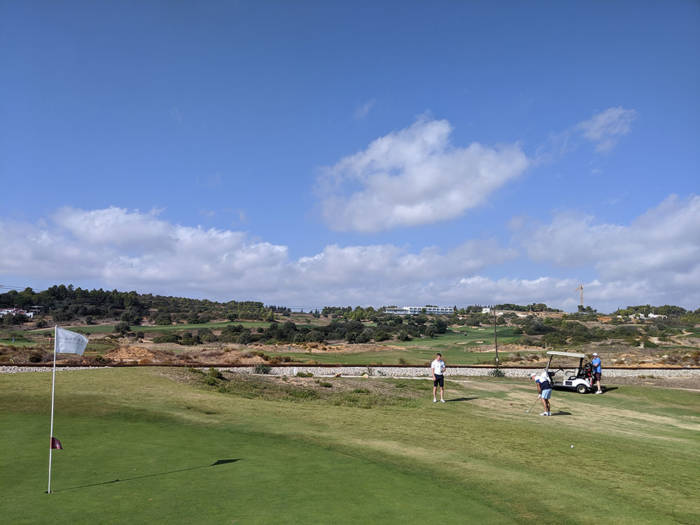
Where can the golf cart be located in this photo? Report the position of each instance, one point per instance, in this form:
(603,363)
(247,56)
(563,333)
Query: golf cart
(580,380)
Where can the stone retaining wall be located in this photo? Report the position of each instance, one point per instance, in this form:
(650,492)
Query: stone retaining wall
(408,371)
(20,369)
(391,371)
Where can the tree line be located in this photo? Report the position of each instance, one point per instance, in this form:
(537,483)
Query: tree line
(66,303)
(353,332)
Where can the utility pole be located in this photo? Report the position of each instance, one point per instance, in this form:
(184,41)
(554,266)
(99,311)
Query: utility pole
(495,336)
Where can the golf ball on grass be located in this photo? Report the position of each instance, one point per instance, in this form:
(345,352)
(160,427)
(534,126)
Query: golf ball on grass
(572,446)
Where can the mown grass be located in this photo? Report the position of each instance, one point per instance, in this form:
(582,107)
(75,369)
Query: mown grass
(16,342)
(310,459)
(464,336)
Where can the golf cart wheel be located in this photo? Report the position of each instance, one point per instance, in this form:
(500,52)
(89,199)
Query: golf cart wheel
(581,389)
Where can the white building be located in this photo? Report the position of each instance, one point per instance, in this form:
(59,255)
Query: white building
(15,311)
(649,316)
(415,310)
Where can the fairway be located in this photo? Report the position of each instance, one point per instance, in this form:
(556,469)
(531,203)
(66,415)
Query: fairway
(156,445)
(458,347)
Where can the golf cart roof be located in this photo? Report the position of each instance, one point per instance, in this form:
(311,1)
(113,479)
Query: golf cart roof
(566,354)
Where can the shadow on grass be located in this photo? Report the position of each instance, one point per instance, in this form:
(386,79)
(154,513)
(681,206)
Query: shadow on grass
(562,413)
(217,462)
(609,388)
(460,399)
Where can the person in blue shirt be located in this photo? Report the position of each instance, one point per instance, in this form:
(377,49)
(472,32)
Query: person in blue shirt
(597,369)
(544,387)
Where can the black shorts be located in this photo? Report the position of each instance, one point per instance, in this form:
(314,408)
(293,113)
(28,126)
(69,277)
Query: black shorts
(596,376)
(439,380)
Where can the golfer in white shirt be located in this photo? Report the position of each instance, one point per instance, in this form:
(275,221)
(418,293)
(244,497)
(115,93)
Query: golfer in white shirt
(437,367)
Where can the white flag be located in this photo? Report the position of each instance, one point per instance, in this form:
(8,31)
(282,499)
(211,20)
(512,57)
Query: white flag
(68,342)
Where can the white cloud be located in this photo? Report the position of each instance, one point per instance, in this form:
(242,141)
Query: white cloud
(603,129)
(114,226)
(483,290)
(606,127)
(394,265)
(655,259)
(414,176)
(656,256)
(362,111)
(134,250)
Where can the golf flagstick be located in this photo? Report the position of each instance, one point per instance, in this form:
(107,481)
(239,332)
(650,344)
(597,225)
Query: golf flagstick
(64,342)
(53,391)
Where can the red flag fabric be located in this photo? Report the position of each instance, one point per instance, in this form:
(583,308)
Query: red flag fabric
(56,444)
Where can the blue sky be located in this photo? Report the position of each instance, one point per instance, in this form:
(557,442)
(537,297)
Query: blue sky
(320,153)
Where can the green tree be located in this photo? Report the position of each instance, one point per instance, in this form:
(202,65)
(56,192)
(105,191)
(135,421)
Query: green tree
(164,319)
(122,328)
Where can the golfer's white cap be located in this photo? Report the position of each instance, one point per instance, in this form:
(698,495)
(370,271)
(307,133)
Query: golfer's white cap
(595,354)
(533,376)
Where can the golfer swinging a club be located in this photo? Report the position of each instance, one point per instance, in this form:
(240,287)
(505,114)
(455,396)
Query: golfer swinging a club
(544,387)
(437,367)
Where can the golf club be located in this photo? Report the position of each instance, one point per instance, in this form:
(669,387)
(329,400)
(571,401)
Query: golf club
(532,406)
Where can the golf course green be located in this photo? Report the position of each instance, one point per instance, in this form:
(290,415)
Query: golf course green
(156,445)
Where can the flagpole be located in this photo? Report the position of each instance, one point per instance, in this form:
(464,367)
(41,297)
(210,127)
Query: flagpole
(53,391)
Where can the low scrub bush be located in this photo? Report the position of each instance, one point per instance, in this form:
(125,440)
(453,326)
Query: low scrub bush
(167,338)
(206,335)
(215,373)
(262,369)
(279,359)
(101,360)
(189,340)
(304,374)
(304,394)
(122,327)
(36,357)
